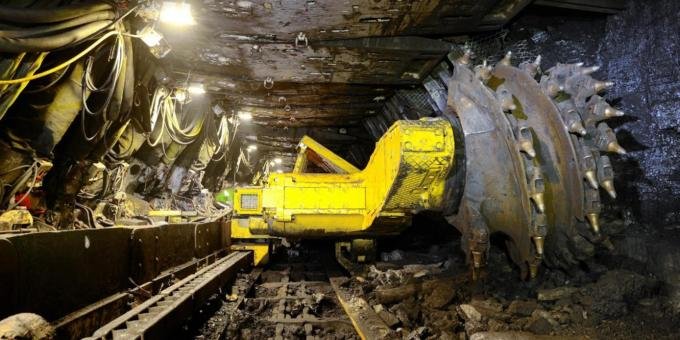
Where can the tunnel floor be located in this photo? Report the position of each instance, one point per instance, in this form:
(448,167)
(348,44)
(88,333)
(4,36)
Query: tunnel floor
(421,288)
(497,169)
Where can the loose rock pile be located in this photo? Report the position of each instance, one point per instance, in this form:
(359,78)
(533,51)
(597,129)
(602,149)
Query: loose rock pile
(438,300)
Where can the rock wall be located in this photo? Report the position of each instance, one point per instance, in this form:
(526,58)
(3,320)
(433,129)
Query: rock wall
(638,49)
(641,53)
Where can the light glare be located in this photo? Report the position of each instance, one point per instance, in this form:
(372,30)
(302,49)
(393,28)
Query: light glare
(244,115)
(252,147)
(278,160)
(180,95)
(175,13)
(196,88)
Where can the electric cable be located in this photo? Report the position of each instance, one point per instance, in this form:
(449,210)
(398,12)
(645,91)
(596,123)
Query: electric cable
(33,169)
(164,112)
(109,86)
(50,84)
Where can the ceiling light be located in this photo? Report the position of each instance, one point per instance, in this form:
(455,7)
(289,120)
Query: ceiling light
(251,147)
(176,13)
(272,163)
(278,160)
(196,88)
(279,171)
(245,115)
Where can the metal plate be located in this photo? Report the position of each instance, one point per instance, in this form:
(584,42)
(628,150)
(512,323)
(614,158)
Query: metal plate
(144,260)
(175,245)
(59,272)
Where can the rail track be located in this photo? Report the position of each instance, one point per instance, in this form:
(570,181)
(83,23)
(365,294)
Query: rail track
(292,298)
(300,295)
(157,317)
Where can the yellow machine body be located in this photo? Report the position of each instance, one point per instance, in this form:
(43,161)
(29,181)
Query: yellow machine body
(242,238)
(405,174)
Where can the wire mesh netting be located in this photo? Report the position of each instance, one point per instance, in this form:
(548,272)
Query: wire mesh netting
(493,46)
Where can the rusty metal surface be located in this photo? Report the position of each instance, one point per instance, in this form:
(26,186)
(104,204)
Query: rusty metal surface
(157,249)
(172,245)
(208,239)
(555,151)
(495,195)
(83,322)
(144,253)
(533,162)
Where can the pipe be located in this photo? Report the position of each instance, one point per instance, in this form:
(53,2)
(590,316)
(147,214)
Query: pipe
(49,15)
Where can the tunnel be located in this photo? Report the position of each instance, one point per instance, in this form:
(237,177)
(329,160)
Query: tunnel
(356,169)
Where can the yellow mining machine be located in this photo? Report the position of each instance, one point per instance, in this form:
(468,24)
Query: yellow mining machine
(406,174)
(518,152)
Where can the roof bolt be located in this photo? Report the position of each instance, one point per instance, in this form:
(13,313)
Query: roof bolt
(301,37)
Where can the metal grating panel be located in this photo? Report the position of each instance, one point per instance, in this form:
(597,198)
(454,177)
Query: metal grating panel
(249,201)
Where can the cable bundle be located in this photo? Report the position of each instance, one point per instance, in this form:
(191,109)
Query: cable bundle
(57,27)
(164,121)
(20,183)
(220,141)
(108,86)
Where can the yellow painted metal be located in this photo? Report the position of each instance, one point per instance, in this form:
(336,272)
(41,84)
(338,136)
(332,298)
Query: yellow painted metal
(164,213)
(260,251)
(309,149)
(243,239)
(406,174)
(241,228)
(171,216)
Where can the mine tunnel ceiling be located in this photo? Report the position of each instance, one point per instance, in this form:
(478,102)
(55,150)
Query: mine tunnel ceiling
(331,42)
(331,63)
(320,67)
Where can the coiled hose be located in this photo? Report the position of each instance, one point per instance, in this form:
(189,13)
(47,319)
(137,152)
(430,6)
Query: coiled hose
(52,42)
(164,120)
(61,27)
(44,30)
(51,15)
